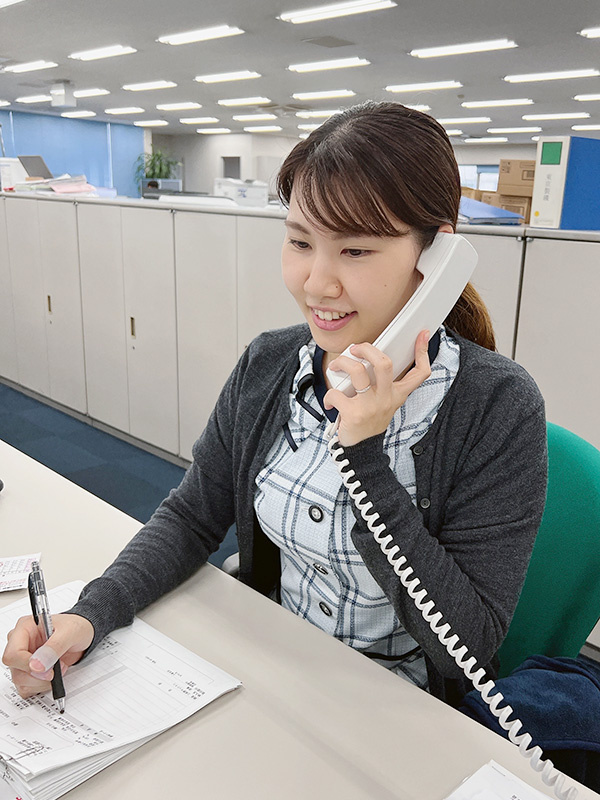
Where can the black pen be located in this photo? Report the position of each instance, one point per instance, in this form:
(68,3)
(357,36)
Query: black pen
(40,608)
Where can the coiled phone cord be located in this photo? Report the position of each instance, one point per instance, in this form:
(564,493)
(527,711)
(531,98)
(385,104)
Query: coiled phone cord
(459,652)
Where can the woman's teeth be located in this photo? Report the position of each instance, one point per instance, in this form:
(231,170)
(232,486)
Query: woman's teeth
(329,315)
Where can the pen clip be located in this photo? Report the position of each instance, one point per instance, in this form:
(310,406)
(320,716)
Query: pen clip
(32,599)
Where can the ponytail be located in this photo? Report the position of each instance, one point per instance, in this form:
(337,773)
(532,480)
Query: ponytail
(470,319)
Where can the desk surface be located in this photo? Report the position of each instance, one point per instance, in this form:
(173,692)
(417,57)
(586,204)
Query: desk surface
(313,718)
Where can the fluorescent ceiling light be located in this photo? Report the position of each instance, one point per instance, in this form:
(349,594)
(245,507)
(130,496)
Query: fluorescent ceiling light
(78,114)
(90,92)
(253,117)
(103,52)
(336,63)
(535,138)
(514,130)
(335,10)
(4,103)
(423,87)
(221,77)
(584,98)
(317,114)
(30,66)
(570,115)
(463,120)
(177,106)
(487,140)
(454,132)
(585,127)
(125,110)
(244,101)
(4,3)
(308,127)
(304,135)
(590,33)
(323,95)
(418,107)
(522,101)
(35,98)
(262,128)
(461,49)
(150,123)
(148,86)
(200,35)
(552,76)
(213,130)
(198,120)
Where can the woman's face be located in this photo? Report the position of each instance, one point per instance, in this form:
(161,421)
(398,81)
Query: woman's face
(349,288)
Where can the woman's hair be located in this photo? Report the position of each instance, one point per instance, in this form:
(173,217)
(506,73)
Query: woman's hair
(373,164)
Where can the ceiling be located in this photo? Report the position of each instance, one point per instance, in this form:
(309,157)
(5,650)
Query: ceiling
(546,33)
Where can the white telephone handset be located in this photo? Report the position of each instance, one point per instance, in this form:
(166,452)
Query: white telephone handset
(446,267)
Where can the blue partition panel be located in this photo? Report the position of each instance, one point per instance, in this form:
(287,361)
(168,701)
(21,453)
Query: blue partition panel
(127,142)
(104,152)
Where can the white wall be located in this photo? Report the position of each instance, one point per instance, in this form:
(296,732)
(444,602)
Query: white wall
(260,155)
(491,154)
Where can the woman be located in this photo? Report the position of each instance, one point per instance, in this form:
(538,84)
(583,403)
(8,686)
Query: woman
(451,455)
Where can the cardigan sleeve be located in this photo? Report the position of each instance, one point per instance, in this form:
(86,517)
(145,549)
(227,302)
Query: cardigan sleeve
(186,528)
(473,566)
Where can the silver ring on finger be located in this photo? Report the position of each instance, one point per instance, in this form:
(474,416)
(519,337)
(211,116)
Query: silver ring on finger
(362,391)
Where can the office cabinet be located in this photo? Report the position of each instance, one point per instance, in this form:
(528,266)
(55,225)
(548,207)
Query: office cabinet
(28,294)
(8,341)
(205,268)
(62,303)
(558,330)
(150,321)
(103,303)
(497,278)
(263,300)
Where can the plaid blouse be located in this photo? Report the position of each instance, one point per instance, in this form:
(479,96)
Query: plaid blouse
(305,510)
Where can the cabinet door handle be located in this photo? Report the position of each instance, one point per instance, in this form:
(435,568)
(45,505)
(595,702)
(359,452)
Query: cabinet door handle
(49,304)
(132,324)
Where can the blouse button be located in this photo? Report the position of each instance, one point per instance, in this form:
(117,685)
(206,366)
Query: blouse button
(325,609)
(316,513)
(425,502)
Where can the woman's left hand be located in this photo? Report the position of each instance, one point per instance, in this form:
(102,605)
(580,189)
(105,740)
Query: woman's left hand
(370,412)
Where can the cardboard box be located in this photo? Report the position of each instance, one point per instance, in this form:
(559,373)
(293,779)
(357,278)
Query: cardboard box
(515,178)
(474,194)
(519,205)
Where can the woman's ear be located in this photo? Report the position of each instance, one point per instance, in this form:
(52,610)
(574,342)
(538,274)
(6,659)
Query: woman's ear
(446,228)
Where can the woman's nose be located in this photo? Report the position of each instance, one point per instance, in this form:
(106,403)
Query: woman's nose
(322,280)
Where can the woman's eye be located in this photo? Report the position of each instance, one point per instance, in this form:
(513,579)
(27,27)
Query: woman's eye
(355,252)
(299,245)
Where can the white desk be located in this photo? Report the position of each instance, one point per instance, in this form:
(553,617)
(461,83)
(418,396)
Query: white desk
(313,718)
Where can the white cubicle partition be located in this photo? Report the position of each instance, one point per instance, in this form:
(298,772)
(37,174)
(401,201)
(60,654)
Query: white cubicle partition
(150,318)
(205,257)
(28,294)
(497,279)
(558,330)
(62,306)
(263,300)
(103,305)
(8,341)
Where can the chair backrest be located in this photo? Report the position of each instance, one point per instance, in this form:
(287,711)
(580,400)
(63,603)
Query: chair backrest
(560,601)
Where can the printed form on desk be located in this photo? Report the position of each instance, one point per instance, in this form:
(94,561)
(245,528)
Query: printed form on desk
(134,685)
(494,782)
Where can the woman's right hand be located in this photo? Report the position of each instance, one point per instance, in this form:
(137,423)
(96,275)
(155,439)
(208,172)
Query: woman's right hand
(31,660)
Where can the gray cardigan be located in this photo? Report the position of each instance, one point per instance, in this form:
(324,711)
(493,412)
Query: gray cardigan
(481,483)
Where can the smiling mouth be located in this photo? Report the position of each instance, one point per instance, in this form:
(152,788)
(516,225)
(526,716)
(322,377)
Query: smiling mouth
(330,315)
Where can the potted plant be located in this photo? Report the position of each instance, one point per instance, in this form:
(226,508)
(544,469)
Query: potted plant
(154,165)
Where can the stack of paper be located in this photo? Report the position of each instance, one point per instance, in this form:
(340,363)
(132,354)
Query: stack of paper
(136,684)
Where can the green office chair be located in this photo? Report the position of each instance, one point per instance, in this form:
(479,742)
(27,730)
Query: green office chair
(560,601)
